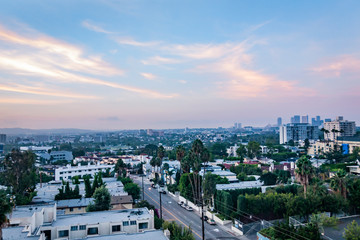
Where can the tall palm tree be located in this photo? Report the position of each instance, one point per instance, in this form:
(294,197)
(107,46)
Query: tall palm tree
(339,183)
(304,172)
(180,154)
(160,156)
(5,208)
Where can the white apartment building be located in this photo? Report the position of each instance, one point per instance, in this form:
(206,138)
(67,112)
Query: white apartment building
(298,132)
(68,172)
(339,128)
(42,222)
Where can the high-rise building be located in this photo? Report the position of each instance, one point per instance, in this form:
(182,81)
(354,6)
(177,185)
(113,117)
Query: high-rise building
(279,121)
(2,138)
(305,119)
(295,119)
(339,128)
(298,132)
(237,125)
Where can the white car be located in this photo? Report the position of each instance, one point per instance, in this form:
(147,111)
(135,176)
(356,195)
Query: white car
(188,208)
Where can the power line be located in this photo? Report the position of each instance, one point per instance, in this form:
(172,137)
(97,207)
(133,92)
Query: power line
(250,218)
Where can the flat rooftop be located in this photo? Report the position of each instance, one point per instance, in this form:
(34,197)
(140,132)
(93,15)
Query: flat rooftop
(48,191)
(155,234)
(240,185)
(102,217)
(28,210)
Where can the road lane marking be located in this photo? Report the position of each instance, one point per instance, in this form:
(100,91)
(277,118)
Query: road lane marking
(174,216)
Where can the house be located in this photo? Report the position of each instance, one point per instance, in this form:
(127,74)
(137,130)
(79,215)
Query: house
(121,202)
(73,206)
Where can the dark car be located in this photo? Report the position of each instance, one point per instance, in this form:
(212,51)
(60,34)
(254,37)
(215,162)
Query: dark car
(205,218)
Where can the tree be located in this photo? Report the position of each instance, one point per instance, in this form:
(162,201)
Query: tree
(119,167)
(283,176)
(209,185)
(253,149)
(20,174)
(5,208)
(304,172)
(352,232)
(339,183)
(180,153)
(132,189)
(241,152)
(88,190)
(268,178)
(219,149)
(177,232)
(102,199)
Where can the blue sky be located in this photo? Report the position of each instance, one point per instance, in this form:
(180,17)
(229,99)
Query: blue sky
(169,64)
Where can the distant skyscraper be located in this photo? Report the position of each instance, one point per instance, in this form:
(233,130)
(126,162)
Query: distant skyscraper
(327,120)
(279,121)
(295,119)
(2,138)
(305,119)
(237,125)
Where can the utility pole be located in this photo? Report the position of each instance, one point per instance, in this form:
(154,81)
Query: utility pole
(202,206)
(160,205)
(143,192)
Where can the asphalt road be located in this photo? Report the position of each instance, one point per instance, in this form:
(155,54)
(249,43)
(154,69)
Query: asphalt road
(173,212)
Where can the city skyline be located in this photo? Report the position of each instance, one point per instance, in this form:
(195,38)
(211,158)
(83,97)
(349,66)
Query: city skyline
(131,65)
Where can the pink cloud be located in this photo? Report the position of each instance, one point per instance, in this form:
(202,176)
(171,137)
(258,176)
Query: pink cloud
(346,64)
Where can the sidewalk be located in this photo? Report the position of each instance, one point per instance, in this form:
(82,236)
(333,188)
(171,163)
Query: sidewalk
(226,227)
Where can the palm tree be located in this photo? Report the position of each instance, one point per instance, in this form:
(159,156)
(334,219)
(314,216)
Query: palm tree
(170,173)
(180,154)
(160,156)
(5,208)
(304,172)
(339,183)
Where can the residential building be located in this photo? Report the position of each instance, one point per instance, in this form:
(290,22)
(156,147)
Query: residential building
(68,172)
(42,222)
(298,132)
(339,128)
(121,202)
(73,206)
(320,148)
(279,121)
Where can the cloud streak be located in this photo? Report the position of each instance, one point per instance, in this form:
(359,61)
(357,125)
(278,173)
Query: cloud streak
(91,26)
(54,60)
(338,66)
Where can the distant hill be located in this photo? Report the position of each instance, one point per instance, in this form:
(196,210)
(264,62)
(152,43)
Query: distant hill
(28,131)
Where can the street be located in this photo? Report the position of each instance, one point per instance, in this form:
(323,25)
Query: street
(171,211)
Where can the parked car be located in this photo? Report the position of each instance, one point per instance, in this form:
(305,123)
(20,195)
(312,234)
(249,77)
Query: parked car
(184,205)
(205,218)
(211,221)
(180,203)
(189,208)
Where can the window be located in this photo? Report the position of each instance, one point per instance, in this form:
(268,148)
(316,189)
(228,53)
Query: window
(82,227)
(79,208)
(116,228)
(126,223)
(71,209)
(74,228)
(63,233)
(132,222)
(143,225)
(92,231)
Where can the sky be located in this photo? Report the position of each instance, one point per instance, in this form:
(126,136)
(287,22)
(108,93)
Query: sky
(106,64)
